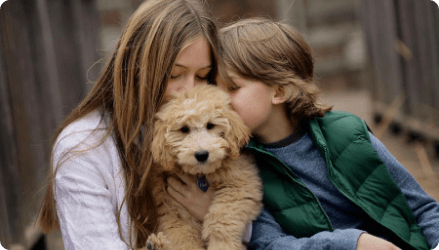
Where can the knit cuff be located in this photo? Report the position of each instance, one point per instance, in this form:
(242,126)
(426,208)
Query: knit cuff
(348,239)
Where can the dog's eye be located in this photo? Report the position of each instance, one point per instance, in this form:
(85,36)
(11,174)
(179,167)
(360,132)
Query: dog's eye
(185,129)
(210,125)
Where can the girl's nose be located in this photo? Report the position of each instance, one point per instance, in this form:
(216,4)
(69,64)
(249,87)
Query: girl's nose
(189,83)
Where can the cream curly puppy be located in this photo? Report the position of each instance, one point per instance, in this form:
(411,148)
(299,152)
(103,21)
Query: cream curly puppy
(197,132)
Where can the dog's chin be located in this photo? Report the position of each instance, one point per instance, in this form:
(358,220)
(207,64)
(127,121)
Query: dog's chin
(201,168)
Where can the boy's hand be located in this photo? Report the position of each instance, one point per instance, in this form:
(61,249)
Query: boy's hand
(186,192)
(369,242)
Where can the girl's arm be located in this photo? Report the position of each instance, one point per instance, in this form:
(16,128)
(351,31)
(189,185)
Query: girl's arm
(425,209)
(86,197)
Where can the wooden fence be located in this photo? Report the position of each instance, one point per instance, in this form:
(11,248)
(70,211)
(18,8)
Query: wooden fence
(402,37)
(46,49)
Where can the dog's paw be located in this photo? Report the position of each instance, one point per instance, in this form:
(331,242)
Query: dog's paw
(157,242)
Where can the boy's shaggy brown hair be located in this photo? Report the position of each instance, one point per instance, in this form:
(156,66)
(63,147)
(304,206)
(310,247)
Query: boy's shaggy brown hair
(276,54)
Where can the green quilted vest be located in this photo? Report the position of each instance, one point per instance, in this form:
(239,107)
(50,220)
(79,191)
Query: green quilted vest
(356,171)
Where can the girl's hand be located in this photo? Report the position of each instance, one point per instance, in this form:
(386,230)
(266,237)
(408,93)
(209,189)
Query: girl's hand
(368,241)
(186,192)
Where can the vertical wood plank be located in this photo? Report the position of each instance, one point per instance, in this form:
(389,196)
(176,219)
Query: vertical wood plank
(10,220)
(372,20)
(11,12)
(365,12)
(433,22)
(385,60)
(70,75)
(87,21)
(422,42)
(393,67)
(47,66)
(411,69)
(42,112)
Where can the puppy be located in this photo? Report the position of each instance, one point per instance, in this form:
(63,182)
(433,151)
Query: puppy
(197,133)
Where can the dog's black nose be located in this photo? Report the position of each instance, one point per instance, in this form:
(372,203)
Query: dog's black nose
(201,155)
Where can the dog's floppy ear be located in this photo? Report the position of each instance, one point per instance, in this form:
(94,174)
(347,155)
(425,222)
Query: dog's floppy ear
(239,133)
(160,152)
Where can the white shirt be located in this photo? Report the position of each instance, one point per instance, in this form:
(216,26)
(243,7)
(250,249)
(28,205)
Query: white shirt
(89,186)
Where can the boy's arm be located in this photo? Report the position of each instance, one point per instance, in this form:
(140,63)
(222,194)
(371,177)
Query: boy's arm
(268,235)
(425,208)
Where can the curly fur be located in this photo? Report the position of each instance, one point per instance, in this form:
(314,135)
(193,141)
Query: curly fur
(201,120)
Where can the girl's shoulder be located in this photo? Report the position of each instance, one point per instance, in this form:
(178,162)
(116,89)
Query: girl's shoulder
(86,144)
(87,136)
(90,129)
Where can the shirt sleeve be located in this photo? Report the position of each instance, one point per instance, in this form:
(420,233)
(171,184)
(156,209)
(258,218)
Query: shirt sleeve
(268,235)
(425,209)
(85,205)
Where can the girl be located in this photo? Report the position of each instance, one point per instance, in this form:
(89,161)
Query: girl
(99,190)
(328,182)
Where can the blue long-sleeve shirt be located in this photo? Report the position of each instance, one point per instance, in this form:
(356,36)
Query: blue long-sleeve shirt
(347,219)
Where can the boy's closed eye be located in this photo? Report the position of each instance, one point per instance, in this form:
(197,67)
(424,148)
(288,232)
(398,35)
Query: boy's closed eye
(233,87)
(228,85)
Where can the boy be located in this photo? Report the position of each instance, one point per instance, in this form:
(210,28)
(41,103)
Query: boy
(328,182)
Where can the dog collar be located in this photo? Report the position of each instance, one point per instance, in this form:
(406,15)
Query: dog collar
(202,183)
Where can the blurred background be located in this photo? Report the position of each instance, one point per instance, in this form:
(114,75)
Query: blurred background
(378,59)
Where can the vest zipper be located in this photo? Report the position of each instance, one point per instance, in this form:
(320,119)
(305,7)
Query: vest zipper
(313,195)
(284,168)
(341,190)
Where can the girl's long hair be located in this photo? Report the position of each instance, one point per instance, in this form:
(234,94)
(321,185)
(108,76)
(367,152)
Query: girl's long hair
(130,90)
(276,54)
